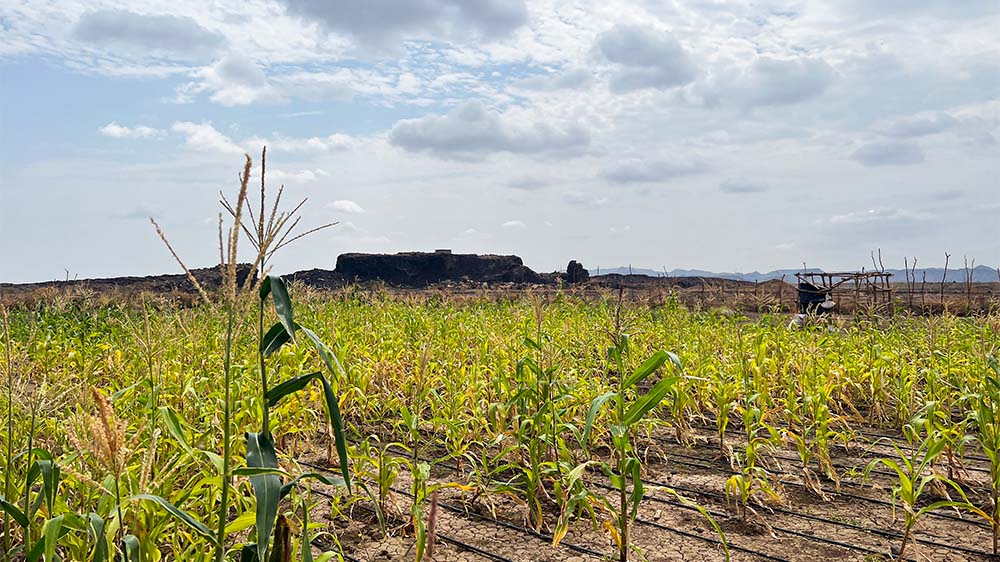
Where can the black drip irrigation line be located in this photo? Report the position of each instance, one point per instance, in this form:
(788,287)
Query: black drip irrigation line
(511,526)
(735,547)
(687,534)
(480,517)
(792,532)
(659,526)
(443,537)
(653,524)
(898,440)
(879,471)
(577,548)
(713,513)
(817,518)
(876,501)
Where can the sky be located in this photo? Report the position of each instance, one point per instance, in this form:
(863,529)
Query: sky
(716,134)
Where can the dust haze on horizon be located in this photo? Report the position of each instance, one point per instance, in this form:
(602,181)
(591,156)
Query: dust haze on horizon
(715,134)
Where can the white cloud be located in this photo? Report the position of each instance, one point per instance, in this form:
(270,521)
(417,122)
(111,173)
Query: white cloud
(741,185)
(776,82)
(128,30)
(237,80)
(472,132)
(204,137)
(646,58)
(514,225)
(310,145)
(919,125)
(889,153)
(583,199)
(781,91)
(649,170)
(928,123)
(347,206)
(880,215)
(348,227)
(384,24)
(527,183)
(302,176)
(114,130)
(570,79)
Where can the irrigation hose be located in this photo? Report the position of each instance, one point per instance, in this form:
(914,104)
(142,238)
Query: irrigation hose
(876,501)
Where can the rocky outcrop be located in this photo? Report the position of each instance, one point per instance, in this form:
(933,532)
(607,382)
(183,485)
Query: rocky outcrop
(575,273)
(419,269)
(209,278)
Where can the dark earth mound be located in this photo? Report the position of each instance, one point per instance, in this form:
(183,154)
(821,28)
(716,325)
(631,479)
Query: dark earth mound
(208,277)
(419,269)
(408,270)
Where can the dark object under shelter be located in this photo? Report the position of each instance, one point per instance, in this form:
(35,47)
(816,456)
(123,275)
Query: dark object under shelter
(871,288)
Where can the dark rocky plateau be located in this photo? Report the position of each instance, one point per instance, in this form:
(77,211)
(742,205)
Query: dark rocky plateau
(420,269)
(407,270)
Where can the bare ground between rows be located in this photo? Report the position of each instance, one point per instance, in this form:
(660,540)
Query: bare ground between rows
(843,519)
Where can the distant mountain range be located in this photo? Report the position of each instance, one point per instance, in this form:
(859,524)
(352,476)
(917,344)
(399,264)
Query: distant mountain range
(981,274)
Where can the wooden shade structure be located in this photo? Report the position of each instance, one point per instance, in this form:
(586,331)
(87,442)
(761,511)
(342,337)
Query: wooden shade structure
(870,287)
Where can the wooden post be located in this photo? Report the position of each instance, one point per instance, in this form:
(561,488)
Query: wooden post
(781,287)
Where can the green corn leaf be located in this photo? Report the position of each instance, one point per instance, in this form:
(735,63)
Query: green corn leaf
(307,551)
(647,402)
(333,407)
(50,483)
(257,471)
(289,386)
(332,404)
(704,513)
(130,544)
(33,473)
(181,515)
(638,491)
(265,288)
(378,509)
(15,513)
(282,303)
(328,480)
(249,553)
(595,408)
(114,397)
(617,480)
(36,552)
(96,529)
(51,532)
(241,523)
(276,337)
(39,453)
(956,504)
(215,459)
(647,368)
(175,428)
(266,487)
(325,353)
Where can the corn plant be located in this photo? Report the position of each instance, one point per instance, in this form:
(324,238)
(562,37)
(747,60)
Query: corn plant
(627,410)
(539,406)
(985,417)
(913,474)
(753,478)
(262,464)
(8,470)
(260,446)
